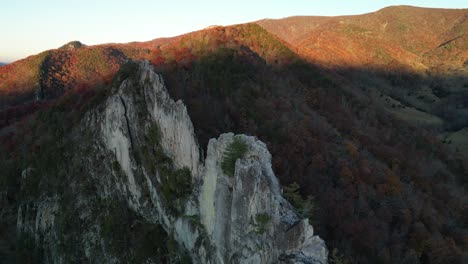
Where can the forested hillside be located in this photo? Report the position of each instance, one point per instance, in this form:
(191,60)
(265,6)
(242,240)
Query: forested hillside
(367,115)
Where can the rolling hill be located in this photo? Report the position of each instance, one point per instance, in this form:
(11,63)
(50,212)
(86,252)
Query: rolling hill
(406,35)
(365,113)
(420,51)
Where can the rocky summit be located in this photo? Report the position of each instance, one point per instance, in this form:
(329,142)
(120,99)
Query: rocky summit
(140,167)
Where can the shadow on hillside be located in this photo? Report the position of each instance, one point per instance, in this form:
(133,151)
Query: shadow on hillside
(363,142)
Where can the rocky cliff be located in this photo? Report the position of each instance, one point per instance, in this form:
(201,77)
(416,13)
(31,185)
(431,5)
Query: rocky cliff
(133,186)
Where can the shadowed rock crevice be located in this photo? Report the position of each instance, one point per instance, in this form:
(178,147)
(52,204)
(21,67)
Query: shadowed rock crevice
(127,121)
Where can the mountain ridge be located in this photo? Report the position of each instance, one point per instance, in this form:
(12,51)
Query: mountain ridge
(430,23)
(369,142)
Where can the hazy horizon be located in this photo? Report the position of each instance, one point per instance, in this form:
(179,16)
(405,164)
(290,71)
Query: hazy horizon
(38,26)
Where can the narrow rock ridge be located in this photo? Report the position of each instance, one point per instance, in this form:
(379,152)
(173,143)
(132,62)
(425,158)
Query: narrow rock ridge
(176,127)
(220,219)
(228,207)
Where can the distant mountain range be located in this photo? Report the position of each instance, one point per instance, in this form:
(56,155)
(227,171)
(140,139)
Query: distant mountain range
(368,114)
(1,64)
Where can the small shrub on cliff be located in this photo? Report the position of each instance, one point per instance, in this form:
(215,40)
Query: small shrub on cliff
(262,221)
(303,206)
(234,151)
(176,183)
(336,258)
(128,69)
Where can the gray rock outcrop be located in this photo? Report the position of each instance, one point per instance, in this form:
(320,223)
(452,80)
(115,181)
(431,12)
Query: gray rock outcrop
(220,218)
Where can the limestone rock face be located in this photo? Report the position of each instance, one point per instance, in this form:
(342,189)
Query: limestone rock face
(221,219)
(246,215)
(178,136)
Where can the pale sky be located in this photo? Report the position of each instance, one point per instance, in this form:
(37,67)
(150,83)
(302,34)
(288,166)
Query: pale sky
(31,26)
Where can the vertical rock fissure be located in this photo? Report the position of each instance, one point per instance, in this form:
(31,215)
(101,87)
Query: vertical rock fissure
(127,121)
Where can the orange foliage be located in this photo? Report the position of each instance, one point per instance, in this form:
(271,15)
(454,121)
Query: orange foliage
(392,184)
(352,149)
